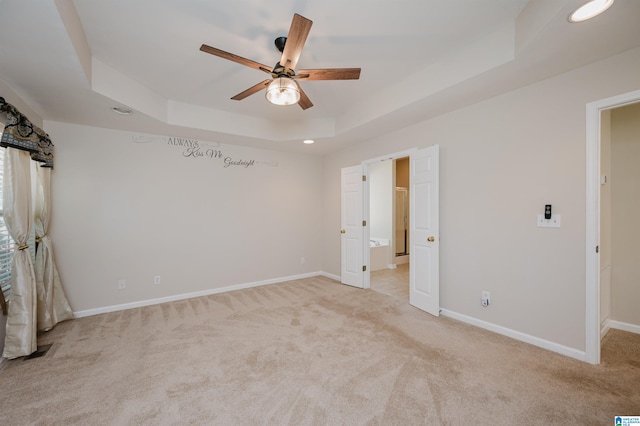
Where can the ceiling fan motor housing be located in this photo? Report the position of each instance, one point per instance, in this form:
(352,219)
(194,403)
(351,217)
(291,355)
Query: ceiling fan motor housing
(280,71)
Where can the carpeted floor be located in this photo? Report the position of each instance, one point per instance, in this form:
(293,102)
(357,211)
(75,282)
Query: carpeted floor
(308,352)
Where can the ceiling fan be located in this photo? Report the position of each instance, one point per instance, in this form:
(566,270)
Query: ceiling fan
(282,88)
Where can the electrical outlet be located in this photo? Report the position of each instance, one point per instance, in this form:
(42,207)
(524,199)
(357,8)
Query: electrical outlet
(486,298)
(303,260)
(156,279)
(122,284)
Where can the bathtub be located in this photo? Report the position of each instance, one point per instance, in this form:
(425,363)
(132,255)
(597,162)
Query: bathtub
(379,253)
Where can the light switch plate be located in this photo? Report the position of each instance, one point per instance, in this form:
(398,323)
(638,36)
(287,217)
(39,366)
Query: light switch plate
(554,222)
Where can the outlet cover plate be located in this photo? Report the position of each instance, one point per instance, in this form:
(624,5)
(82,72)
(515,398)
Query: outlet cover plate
(554,222)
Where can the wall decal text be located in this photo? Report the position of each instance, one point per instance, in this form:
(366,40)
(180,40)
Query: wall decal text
(195,149)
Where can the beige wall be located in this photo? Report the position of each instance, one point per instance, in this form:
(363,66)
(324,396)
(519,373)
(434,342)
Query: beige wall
(125,210)
(501,161)
(625,219)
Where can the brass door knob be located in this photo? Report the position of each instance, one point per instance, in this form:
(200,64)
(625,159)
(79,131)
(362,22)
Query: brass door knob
(342,231)
(431,239)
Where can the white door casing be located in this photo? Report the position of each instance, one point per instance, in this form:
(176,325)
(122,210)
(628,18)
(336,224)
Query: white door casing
(351,232)
(592,320)
(424,290)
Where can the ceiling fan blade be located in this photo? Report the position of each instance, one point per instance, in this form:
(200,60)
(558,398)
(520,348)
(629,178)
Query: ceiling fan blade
(330,74)
(304,101)
(298,32)
(251,90)
(235,58)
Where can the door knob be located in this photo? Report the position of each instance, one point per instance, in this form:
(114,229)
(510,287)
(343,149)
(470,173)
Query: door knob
(342,231)
(431,239)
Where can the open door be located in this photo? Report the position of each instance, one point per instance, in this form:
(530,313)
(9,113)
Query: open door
(352,230)
(424,290)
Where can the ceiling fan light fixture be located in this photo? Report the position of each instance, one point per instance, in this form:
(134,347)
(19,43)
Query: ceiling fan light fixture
(589,10)
(283,91)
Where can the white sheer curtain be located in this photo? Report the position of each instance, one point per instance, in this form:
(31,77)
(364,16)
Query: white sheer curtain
(53,306)
(21,338)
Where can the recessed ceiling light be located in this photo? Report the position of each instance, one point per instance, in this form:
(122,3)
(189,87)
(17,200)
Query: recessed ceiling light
(123,111)
(308,141)
(590,10)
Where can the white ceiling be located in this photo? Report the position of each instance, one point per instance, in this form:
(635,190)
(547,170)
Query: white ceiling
(72,61)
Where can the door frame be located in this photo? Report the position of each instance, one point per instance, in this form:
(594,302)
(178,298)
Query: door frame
(366,201)
(592,320)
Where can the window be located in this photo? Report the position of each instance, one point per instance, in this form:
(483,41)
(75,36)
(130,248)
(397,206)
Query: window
(7,246)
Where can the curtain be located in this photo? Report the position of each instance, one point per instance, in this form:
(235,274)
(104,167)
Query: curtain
(53,306)
(21,337)
(37,299)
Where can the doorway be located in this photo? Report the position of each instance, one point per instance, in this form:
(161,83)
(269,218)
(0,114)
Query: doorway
(597,233)
(389,227)
(619,227)
(424,269)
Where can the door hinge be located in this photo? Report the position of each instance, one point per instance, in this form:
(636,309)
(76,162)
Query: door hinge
(597,249)
(364,223)
(364,268)
(364,178)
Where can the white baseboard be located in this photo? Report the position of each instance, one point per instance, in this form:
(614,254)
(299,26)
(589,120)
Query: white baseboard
(536,341)
(331,276)
(604,328)
(149,302)
(631,328)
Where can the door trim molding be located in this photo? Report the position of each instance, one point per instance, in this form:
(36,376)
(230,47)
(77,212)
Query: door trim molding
(592,273)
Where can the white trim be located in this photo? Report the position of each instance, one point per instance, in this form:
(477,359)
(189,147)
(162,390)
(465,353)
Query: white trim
(149,302)
(631,328)
(366,232)
(592,271)
(517,335)
(394,156)
(331,276)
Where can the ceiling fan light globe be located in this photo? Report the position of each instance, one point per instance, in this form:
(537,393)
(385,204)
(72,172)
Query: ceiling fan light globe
(283,91)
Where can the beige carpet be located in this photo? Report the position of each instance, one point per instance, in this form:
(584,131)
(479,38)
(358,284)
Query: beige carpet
(308,352)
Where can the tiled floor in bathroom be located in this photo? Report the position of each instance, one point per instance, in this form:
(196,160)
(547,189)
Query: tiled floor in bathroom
(394,282)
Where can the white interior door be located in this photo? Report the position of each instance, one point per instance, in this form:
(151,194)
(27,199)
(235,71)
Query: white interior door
(424,290)
(351,231)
